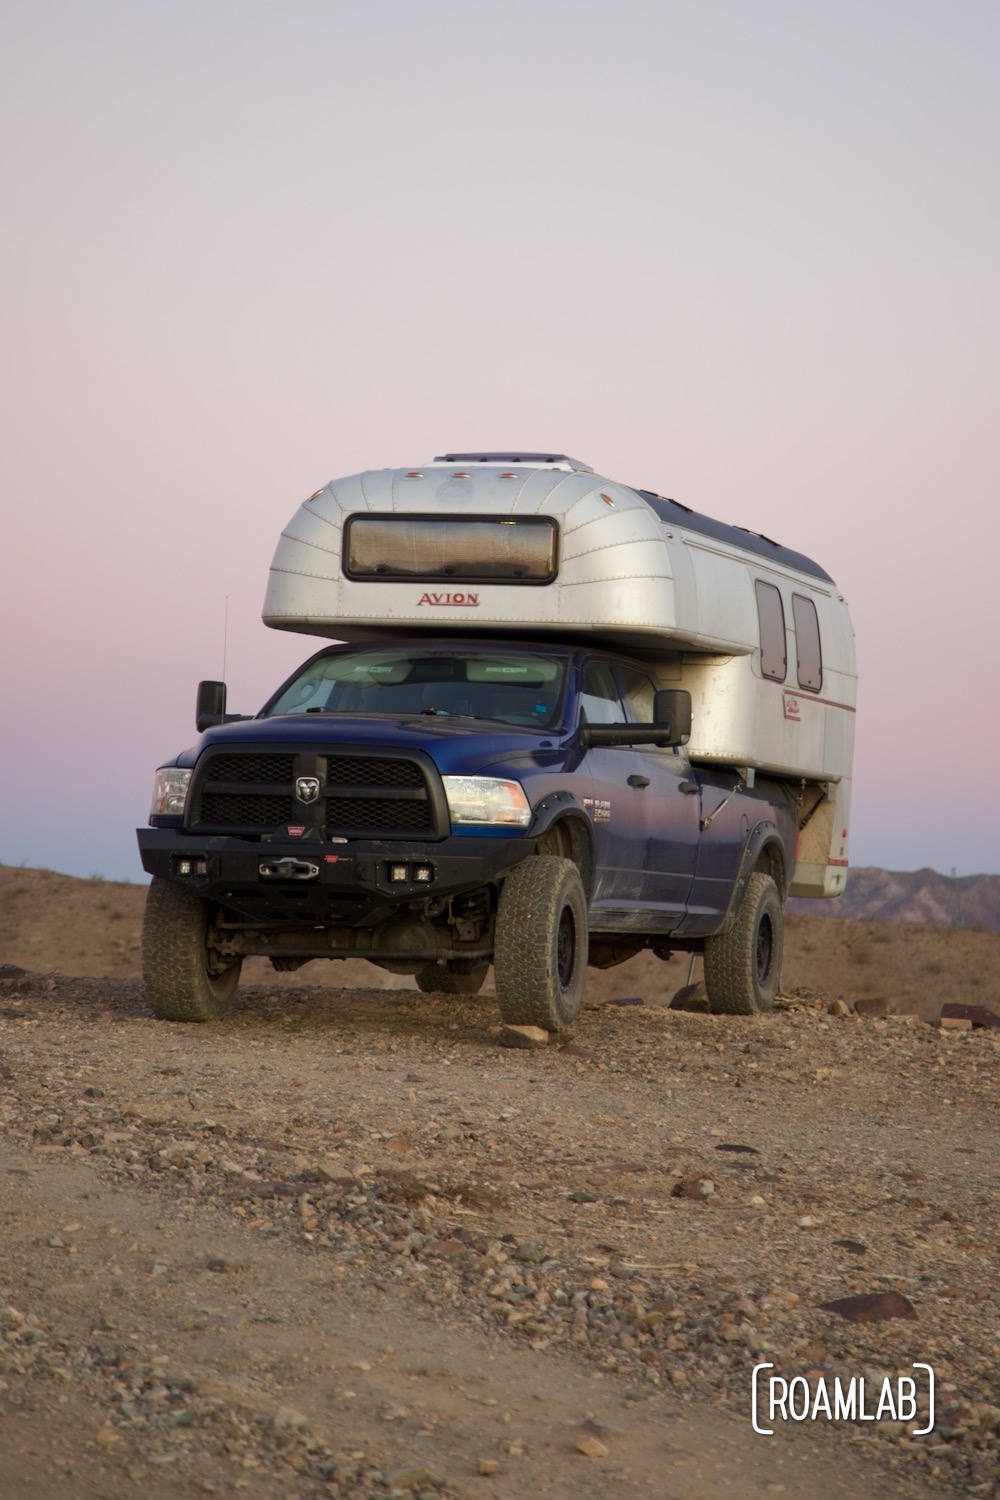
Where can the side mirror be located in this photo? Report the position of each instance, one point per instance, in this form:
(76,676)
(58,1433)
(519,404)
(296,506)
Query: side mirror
(210,705)
(673,706)
(625,734)
(671,724)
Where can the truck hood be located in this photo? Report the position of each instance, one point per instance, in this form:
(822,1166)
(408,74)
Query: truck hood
(456,746)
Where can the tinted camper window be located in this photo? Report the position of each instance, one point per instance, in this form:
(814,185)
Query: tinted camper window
(456,549)
(807,646)
(771,614)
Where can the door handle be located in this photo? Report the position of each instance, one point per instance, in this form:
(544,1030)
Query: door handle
(690,787)
(638,781)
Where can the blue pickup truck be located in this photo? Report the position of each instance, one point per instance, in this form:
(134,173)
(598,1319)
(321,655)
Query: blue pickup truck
(437,805)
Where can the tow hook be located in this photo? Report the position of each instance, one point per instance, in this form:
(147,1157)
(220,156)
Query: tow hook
(288,869)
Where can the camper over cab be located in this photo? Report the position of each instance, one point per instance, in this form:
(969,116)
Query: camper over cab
(566,720)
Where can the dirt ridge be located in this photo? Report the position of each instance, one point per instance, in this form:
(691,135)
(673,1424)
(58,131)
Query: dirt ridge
(92,928)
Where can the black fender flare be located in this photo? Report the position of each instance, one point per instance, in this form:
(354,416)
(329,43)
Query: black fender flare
(764,837)
(565,810)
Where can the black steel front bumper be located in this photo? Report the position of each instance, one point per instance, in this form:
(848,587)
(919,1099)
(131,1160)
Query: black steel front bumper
(315,880)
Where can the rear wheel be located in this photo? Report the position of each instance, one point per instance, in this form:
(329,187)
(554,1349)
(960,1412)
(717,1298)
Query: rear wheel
(743,965)
(540,947)
(185,979)
(459,977)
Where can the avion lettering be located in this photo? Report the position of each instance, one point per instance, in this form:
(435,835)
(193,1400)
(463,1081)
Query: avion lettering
(469,600)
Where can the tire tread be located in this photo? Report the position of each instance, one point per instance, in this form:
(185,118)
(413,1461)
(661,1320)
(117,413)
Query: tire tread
(527,979)
(435,980)
(178,984)
(730,962)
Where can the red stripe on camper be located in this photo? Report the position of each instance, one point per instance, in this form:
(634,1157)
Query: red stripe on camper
(807,697)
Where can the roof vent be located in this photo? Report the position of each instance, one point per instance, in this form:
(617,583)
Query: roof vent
(518,456)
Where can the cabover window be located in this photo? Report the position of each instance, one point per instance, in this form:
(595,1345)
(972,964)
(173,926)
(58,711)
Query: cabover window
(771,615)
(807,646)
(428,549)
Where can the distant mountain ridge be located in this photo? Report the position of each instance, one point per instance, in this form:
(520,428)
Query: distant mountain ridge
(876,895)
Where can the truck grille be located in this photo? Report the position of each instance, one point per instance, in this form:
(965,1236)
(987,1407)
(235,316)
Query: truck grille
(252,767)
(375,815)
(362,795)
(230,808)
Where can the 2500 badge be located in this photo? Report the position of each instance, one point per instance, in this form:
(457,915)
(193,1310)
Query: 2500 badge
(599,810)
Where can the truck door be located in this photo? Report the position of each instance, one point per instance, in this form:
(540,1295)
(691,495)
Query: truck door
(724,811)
(616,805)
(670,807)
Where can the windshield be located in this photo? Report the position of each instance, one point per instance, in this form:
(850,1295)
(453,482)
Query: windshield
(513,687)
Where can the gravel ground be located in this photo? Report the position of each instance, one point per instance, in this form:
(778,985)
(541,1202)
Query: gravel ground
(295,1252)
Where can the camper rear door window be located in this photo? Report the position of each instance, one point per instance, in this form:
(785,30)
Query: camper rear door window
(807,646)
(434,549)
(771,614)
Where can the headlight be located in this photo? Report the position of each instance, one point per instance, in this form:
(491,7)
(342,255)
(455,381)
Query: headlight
(483,799)
(170,789)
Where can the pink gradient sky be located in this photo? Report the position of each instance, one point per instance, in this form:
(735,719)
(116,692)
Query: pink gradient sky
(745,255)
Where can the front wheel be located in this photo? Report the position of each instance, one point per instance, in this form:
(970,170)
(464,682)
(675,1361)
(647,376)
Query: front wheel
(743,965)
(540,947)
(185,980)
(459,977)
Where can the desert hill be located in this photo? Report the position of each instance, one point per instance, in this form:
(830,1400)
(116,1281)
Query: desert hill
(913,896)
(51,922)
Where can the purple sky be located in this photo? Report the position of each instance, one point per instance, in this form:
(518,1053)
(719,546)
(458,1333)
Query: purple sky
(745,255)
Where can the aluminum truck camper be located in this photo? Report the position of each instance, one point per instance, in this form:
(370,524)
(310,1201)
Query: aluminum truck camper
(559,720)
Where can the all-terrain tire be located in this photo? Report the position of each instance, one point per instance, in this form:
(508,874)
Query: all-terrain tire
(743,965)
(181,983)
(541,943)
(439,979)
